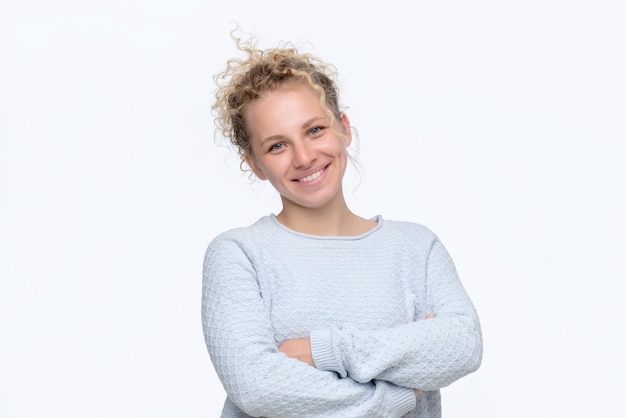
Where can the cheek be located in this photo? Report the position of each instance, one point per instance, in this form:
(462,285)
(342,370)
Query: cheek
(343,153)
(270,170)
(256,168)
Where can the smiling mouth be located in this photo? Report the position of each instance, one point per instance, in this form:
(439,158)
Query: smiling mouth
(311,177)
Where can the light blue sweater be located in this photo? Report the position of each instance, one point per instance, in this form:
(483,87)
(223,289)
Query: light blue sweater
(362,300)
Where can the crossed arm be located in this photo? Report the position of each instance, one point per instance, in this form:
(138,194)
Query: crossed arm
(387,368)
(300,349)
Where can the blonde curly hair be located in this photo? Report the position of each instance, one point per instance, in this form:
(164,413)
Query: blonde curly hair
(263,71)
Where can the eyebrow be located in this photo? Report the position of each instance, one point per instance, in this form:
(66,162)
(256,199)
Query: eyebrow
(304,126)
(311,121)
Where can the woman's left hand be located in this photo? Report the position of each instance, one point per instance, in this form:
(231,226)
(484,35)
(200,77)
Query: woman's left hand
(299,349)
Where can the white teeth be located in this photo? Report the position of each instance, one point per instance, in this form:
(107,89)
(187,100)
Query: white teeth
(311,177)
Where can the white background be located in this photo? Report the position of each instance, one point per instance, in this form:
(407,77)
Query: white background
(498,124)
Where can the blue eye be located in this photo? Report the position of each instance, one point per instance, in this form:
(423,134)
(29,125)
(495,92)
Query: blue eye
(276,147)
(315,130)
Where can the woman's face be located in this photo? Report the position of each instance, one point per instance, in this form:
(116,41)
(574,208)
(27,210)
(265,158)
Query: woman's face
(295,147)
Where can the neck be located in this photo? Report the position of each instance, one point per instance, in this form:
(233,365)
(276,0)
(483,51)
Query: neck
(333,219)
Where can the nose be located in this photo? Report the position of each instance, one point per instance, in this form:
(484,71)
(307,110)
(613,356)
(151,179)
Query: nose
(303,154)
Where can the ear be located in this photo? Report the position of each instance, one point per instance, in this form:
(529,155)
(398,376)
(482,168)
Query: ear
(345,123)
(250,161)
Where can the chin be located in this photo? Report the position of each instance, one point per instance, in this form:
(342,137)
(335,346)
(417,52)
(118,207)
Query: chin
(313,204)
(318,201)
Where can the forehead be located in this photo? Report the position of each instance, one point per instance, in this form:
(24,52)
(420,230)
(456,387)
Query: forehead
(282,109)
(285,96)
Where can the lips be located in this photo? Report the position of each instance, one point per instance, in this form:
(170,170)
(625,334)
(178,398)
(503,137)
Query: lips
(311,177)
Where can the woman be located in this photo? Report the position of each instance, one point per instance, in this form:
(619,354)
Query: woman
(317,311)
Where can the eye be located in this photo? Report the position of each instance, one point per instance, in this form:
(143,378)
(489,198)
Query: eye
(315,131)
(276,147)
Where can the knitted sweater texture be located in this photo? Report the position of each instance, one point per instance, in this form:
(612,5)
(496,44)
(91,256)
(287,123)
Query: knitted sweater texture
(363,302)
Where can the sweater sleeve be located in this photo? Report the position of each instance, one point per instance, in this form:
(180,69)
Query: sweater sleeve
(425,354)
(259,379)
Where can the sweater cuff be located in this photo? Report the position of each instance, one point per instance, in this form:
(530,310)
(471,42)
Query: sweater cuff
(322,351)
(403,399)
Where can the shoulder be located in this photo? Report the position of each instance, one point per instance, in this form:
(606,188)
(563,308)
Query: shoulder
(242,238)
(409,230)
(261,226)
(421,239)
(416,238)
